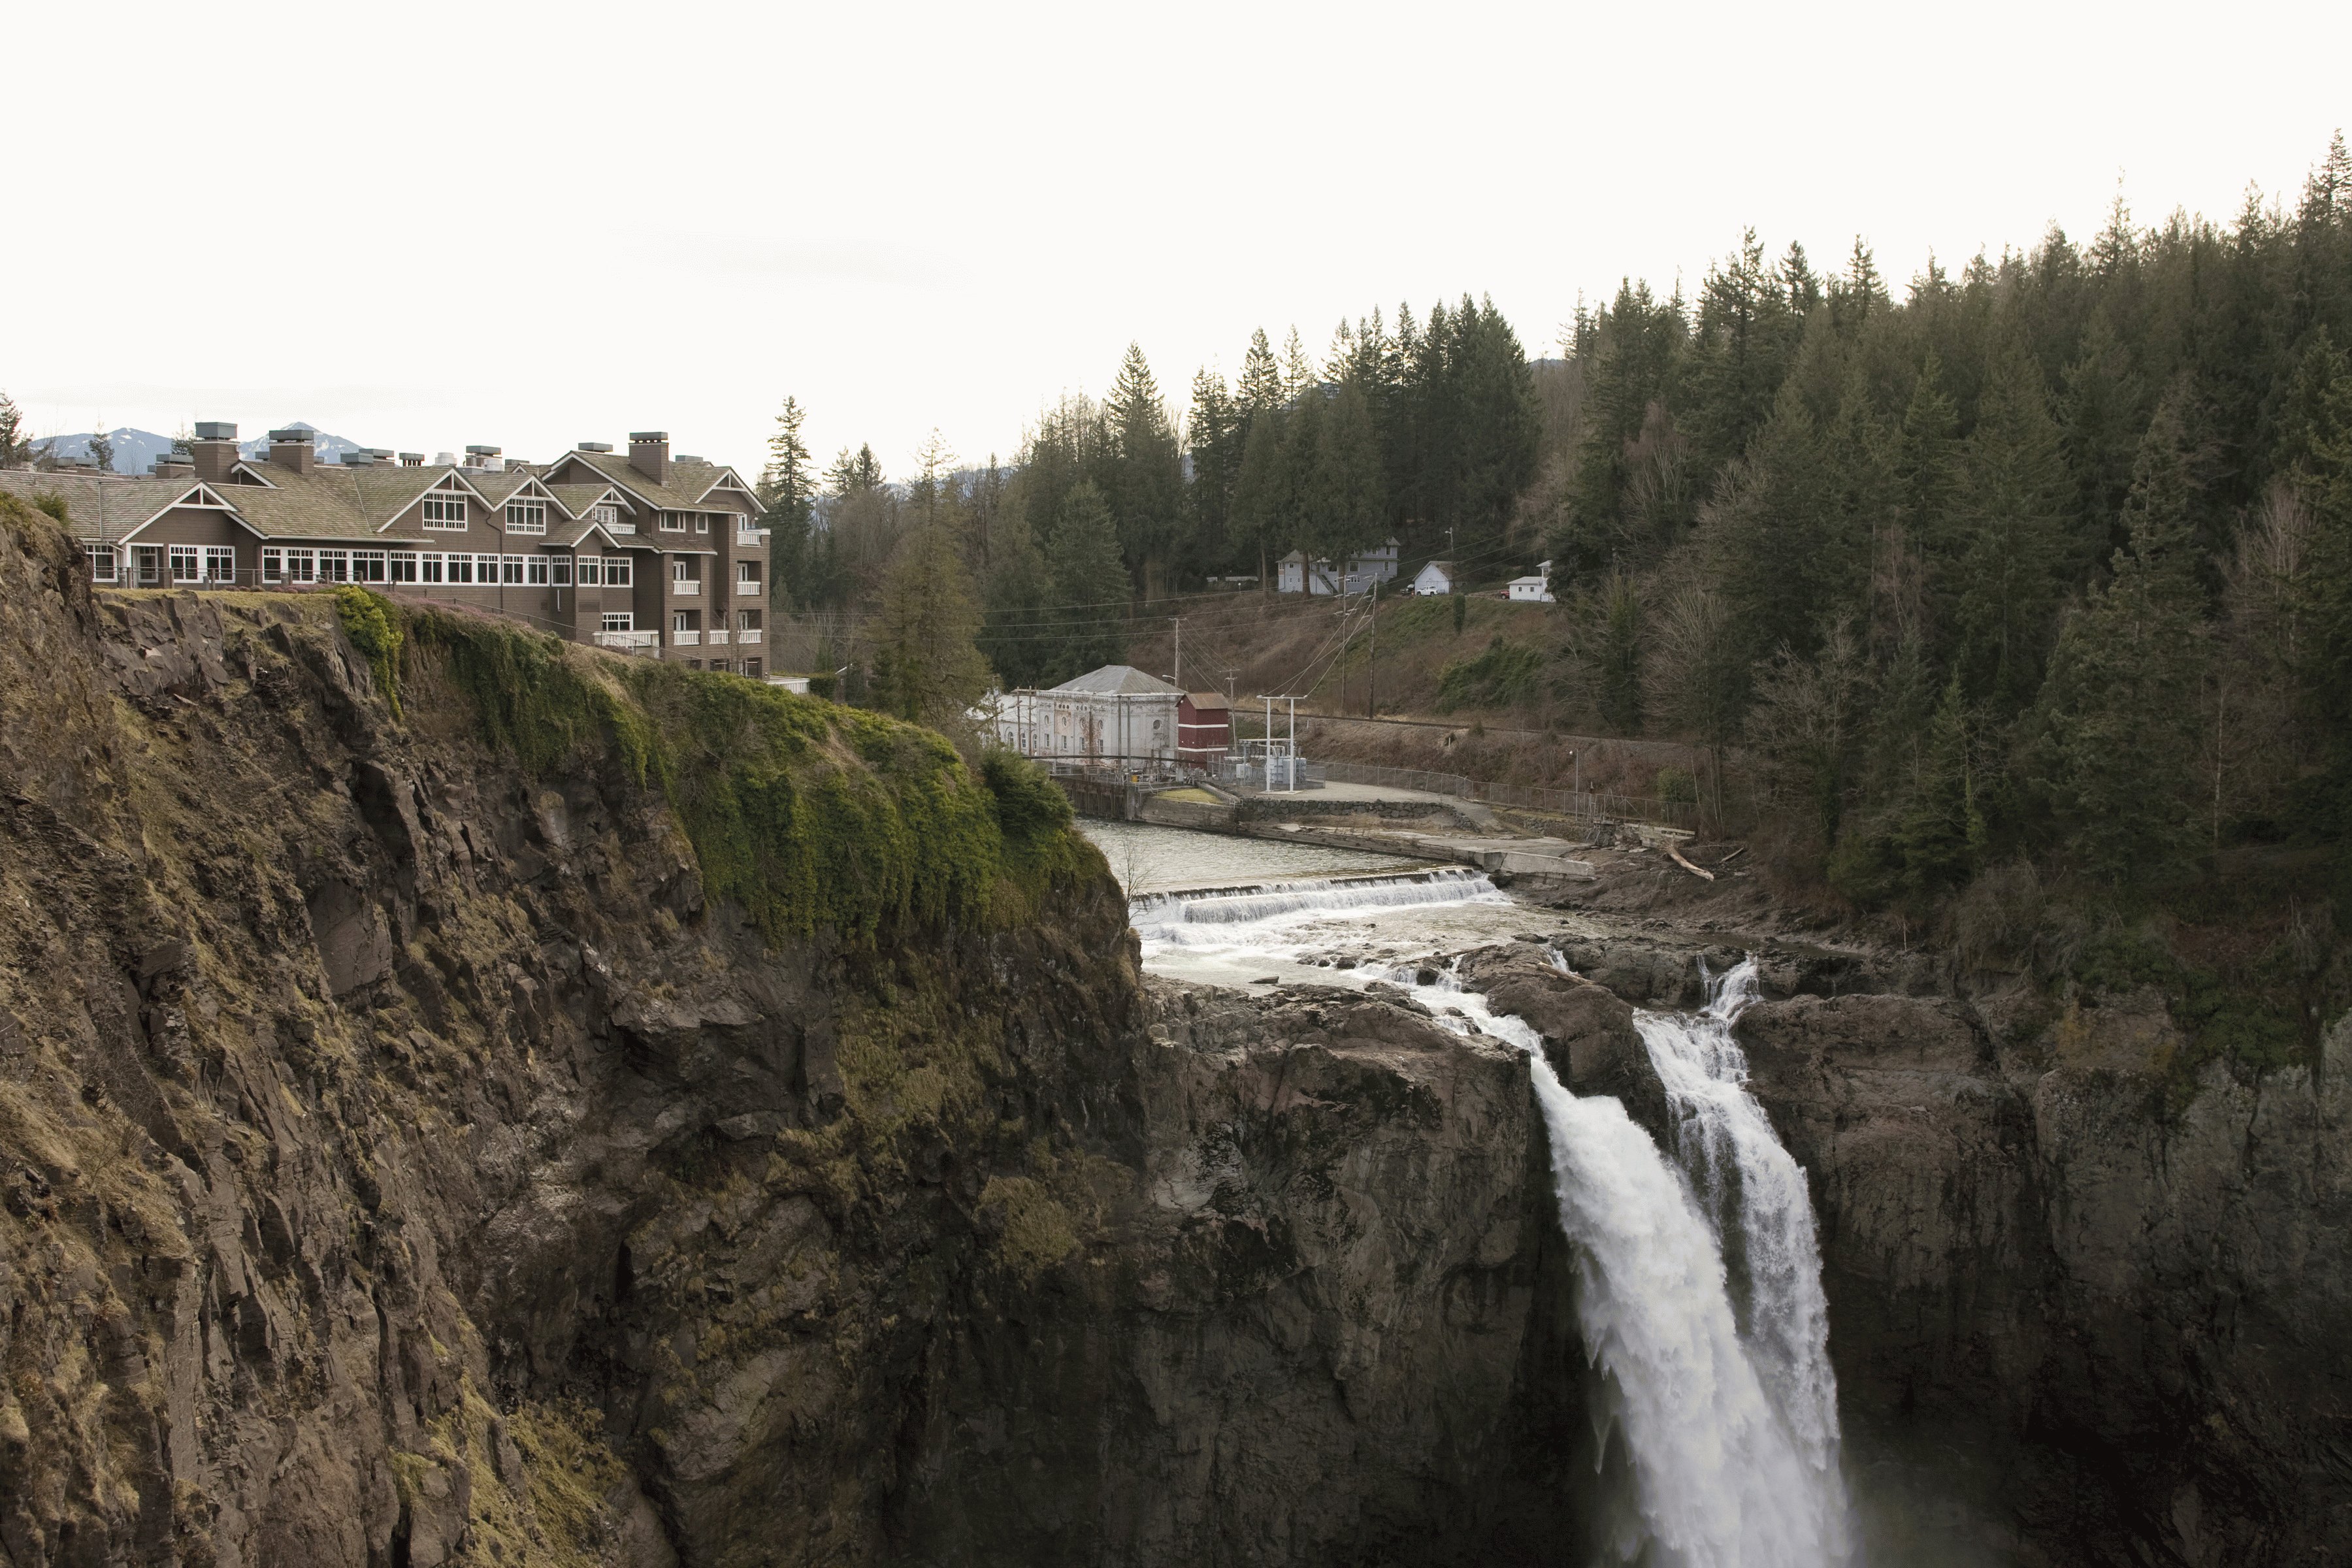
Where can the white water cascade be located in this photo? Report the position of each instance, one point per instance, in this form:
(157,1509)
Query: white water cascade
(1161,917)
(1730,1418)
(1699,1278)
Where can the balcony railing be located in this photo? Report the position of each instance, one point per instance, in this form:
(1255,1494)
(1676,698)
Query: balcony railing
(629,642)
(751,537)
(685,585)
(748,634)
(618,528)
(686,639)
(718,637)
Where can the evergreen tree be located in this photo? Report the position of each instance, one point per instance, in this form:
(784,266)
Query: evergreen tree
(101,450)
(1089,585)
(2009,506)
(2119,709)
(1261,386)
(788,493)
(13,446)
(1258,494)
(1145,474)
(928,666)
(1212,442)
(1347,505)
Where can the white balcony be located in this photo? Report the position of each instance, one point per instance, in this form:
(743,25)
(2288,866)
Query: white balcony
(686,639)
(618,528)
(751,537)
(686,585)
(748,636)
(718,637)
(629,642)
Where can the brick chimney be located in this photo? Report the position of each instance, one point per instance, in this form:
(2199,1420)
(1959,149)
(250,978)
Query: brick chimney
(649,454)
(213,451)
(292,450)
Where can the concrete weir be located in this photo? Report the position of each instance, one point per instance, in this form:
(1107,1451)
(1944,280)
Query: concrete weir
(1408,824)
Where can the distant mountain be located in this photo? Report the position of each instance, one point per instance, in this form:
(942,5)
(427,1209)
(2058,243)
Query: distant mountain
(136,451)
(329,449)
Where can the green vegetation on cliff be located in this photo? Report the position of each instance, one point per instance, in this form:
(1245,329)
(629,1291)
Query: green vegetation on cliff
(815,818)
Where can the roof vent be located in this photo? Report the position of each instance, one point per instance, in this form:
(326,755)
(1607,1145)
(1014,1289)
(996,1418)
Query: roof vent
(484,451)
(682,457)
(380,454)
(412,459)
(216,430)
(293,433)
(595,446)
(358,458)
(649,435)
(444,459)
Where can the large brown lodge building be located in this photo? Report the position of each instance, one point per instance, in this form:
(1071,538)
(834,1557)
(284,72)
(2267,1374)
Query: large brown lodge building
(649,553)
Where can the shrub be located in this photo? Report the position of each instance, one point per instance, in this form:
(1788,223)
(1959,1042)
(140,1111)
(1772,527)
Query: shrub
(373,627)
(1503,674)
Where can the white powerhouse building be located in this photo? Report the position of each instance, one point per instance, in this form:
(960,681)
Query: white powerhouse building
(1115,717)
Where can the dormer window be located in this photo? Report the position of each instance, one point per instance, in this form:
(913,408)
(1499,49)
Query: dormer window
(444,509)
(607,515)
(527,517)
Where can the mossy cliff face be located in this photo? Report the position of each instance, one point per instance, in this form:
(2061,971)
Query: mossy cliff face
(606,1114)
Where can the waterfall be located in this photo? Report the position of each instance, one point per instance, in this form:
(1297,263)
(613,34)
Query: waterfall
(1720,1481)
(1699,1277)
(1754,1195)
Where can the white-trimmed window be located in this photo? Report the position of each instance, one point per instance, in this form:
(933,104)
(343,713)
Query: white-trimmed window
(334,566)
(702,522)
(682,576)
(187,562)
(747,574)
(301,566)
(526,517)
(220,563)
(534,569)
(607,515)
(511,569)
(461,569)
(673,522)
(561,566)
(429,568)
(590,570)
(104,562)
(620,621)
(403,566)
(444,509)
(486,571)
(367,566)
(618,573)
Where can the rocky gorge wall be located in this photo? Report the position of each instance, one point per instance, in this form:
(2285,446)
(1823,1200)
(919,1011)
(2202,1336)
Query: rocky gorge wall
(595,1114)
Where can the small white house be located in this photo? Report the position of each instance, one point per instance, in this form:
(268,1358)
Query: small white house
(1437,577)
(1296,573)
(1535,589)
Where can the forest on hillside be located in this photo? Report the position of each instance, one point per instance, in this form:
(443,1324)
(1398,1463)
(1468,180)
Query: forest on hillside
(2031,575)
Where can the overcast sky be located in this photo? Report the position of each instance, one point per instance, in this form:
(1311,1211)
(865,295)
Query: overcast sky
(429,225)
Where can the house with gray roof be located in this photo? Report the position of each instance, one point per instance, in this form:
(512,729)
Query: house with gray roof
(1118,719)
(648,554)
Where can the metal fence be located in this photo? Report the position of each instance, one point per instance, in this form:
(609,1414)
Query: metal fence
(1584,805)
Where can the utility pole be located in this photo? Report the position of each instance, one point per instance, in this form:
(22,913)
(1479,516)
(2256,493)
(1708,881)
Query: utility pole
(1372,659)
(1177,679)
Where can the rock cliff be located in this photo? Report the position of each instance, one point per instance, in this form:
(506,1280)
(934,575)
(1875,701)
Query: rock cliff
(596,1113)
